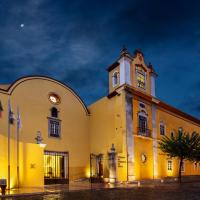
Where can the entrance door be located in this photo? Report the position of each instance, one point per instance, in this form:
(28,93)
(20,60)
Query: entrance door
(96,168)
(56,167)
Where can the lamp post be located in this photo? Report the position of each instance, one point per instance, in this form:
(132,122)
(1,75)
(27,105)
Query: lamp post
(112,165)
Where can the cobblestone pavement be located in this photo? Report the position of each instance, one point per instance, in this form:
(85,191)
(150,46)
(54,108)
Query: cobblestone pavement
(170,191)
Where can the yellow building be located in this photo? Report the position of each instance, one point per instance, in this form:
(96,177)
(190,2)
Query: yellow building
(59,139)
(133,119)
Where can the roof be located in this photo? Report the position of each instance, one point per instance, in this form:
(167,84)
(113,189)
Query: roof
(4,86)
(125,53)
(157,102)
(9,88)
(113,66)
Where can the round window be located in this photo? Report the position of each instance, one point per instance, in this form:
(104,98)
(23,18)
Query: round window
(54,98)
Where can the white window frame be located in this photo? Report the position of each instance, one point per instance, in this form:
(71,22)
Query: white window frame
(162,124)
(169,165)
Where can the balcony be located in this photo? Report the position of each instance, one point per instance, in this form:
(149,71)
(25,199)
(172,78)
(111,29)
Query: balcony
(144,132)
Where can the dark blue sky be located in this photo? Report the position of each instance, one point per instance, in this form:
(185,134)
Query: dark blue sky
(75,41)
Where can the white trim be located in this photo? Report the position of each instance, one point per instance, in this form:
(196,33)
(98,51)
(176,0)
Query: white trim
(155,143)
(153,85)
(125,65)
(130,138)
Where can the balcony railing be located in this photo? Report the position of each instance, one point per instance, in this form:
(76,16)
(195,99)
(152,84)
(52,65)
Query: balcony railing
(144,132)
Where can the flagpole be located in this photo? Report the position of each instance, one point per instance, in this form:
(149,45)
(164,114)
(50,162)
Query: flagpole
(9,143)
(18,146)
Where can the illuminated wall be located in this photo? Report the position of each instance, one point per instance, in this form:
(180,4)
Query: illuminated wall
(30,94)
(107,127)
(31,163)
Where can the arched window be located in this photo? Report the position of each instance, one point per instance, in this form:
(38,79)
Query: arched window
(115,79)
(143,123)
(54,123)
(172,134)
(141,77)
(162,128)
(54,112)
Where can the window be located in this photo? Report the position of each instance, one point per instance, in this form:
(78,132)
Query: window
(195,166)
(142,106)
(115,78)
(142,124)
(56,167)
(54,98)
(141,77)
(54,112)
(169,165)
(172,134)
(54,127)
(180,129)
(162,128)
(183,167)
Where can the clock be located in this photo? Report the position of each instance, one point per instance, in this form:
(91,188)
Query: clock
(143,158)
(54,98)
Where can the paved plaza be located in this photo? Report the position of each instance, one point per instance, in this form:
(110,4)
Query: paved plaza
(86,191)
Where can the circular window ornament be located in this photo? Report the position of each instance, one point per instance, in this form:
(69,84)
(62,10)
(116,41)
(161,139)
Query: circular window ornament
(54,98)
(143,158)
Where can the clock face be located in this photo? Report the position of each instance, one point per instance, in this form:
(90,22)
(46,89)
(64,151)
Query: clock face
(54,98)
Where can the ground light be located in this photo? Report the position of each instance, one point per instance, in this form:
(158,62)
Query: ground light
(3,186)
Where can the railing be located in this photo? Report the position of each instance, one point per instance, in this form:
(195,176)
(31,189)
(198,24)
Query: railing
(144,132)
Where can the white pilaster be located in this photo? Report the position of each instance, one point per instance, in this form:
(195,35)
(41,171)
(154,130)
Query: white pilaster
(125,70)
(153,89)
(130,138)
(155,144)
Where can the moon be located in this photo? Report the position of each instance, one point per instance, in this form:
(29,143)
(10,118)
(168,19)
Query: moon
(21,25)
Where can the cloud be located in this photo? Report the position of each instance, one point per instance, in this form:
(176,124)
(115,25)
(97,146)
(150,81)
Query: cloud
(75,41)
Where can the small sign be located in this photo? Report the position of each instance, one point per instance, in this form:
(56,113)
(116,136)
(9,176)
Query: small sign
(121,161)
(32,166)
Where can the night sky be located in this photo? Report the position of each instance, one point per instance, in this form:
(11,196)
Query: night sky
(75,41)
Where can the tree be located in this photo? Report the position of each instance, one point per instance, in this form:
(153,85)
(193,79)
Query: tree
(183,146)
(195,148)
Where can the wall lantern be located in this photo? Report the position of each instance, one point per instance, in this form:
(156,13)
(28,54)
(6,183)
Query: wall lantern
(39,139)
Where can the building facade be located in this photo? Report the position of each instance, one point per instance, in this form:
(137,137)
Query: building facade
(132,118)
(54,138)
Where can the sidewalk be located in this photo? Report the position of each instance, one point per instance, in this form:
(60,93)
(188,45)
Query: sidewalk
(72,186)
(85,186)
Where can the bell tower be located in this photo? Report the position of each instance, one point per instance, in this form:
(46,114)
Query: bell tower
(120,70)
(132,71)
